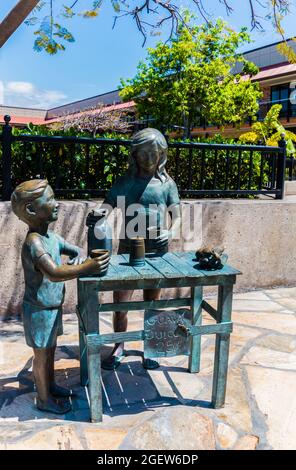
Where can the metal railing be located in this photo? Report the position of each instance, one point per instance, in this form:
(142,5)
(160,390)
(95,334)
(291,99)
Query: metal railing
(87,167)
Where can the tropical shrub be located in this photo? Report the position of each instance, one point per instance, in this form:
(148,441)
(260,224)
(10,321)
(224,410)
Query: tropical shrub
(270,131)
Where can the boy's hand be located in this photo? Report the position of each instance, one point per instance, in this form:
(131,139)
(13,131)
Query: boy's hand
(77,260)
(97,265)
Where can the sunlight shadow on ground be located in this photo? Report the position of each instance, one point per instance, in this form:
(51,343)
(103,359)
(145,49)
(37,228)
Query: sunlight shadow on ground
(128,390)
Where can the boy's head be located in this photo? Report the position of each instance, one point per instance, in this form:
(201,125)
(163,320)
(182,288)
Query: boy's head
(33,202)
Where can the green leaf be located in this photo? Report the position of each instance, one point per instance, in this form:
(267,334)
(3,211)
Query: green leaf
(32,21)
(67,12)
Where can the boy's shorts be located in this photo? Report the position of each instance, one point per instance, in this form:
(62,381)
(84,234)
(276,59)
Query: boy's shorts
(42,326)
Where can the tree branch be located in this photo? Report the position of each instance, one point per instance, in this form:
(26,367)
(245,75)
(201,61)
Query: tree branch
(15,18)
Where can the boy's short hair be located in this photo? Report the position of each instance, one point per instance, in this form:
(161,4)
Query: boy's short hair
(24,194)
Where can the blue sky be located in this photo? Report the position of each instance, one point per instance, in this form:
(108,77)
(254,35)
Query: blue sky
(97,60)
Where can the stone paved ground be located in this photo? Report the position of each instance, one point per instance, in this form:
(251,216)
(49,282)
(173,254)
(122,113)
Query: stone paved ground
(260,409)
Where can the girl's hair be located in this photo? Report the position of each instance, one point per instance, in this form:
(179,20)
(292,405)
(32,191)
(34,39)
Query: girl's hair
(144,137)
(25,193)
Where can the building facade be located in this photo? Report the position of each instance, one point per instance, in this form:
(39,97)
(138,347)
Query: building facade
(277,78)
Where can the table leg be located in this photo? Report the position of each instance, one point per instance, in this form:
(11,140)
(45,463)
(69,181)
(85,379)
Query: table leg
(222,347)
(94,382)
(90,359)
(82,331)
(196,308)
(82,357)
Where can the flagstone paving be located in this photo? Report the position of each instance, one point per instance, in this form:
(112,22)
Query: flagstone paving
(167,407)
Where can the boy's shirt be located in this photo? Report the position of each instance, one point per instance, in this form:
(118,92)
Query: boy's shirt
(39,290)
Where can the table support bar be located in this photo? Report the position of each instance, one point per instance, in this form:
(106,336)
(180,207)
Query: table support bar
(144,305)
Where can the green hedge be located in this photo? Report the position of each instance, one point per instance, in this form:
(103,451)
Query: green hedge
(65,165)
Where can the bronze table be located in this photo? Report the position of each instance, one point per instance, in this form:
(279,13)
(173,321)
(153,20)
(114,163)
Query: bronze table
(172,270)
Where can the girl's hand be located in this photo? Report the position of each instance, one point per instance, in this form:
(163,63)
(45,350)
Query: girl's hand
(162,239)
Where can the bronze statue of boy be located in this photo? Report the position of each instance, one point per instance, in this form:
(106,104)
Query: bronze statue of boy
(34,203)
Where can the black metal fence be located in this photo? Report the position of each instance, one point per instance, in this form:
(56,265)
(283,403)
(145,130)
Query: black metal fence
(86,167)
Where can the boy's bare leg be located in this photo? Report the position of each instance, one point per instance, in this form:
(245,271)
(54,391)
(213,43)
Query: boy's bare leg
(119,324)
(55,390)
(151,294)
(41,371)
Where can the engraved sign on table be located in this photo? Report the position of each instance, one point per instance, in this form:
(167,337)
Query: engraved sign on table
(162,338)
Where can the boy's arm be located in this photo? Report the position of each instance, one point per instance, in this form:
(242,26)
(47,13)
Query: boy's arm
(56,273)
(70,250)
(73,251)
(67,248)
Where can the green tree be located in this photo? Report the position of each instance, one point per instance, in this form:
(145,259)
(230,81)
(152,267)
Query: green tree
(189,78)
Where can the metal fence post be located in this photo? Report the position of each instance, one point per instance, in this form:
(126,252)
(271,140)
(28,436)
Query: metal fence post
(6,159)
(281,168)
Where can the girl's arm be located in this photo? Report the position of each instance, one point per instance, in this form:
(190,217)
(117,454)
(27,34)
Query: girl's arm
(175,213)
(174,230)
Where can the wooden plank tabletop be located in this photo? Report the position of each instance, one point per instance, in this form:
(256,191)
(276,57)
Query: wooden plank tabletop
(190,259)
(161,264)
(171,266)
(183,265)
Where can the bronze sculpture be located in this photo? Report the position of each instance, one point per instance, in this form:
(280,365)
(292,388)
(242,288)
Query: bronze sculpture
(146,184)
(34,203)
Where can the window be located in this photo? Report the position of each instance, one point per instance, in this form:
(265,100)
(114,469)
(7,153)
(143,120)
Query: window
(280,95)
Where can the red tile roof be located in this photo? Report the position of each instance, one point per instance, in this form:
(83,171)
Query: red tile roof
(23,120)
(275,71)
(114,107)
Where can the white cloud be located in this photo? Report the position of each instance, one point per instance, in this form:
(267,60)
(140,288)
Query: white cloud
(26,94)
(21,88)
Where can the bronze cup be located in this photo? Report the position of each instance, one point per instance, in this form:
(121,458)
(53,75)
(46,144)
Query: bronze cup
(97,253)
(137,251)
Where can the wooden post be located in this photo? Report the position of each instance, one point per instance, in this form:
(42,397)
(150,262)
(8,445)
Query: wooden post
(222,347)
(196,308)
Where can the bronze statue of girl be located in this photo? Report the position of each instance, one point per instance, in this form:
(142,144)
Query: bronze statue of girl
(147,187)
